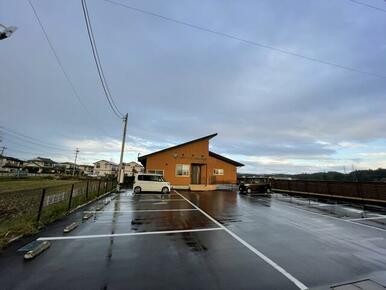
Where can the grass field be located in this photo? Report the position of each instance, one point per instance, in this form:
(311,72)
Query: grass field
(20,199)
(31,183)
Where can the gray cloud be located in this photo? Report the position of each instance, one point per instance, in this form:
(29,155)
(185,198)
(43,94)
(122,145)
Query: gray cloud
(178,83)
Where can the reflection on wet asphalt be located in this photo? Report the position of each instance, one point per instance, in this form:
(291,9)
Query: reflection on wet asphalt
(318,250)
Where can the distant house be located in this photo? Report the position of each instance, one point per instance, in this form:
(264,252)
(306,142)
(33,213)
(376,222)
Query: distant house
(129,169)
(105,168)
(192,165)
(10,164)
(41,165)
(86,169)
(67,167)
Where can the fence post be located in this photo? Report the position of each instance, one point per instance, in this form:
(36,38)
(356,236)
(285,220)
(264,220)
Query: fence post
(99,186)
(69,202)
(106,184)
(41,203)
(87,189)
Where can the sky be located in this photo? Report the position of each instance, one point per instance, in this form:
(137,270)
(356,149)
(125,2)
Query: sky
(274,112)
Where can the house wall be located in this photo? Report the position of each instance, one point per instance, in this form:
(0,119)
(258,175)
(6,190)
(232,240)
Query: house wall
(129,169)
(194,153)
(191,153)
(105,168)
(230,172)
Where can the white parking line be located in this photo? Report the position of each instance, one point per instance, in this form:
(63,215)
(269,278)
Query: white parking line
(299,284)
(154,200)
(141,210)
(332,217)
(126,234)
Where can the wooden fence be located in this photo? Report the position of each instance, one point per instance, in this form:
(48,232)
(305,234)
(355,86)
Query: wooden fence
(365,191)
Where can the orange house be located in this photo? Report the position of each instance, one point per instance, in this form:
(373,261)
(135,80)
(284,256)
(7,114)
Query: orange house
(192,166)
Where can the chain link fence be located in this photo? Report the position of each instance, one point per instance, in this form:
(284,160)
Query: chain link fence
(25,211)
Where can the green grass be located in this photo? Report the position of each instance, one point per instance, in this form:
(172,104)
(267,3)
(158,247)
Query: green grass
(22,184)
(19,209)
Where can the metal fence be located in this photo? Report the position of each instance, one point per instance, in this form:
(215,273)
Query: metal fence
(24,211)
(363,191)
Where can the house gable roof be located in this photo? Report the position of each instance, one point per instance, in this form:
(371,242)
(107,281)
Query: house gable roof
(133,163)
(41,159)
(143,158)
(225,159)
(10,158)
(109,162)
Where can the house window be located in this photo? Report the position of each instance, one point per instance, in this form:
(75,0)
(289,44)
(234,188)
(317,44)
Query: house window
(156,171)
(98,165)
(182,170)
(218,171)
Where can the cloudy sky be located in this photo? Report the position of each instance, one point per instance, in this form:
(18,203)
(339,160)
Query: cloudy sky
(273,111)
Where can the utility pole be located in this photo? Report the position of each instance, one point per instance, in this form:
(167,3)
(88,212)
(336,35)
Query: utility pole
(122,151)
(3,149)
(76,156)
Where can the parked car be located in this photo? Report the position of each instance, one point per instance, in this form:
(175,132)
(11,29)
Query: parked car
(150,182)
(255,187)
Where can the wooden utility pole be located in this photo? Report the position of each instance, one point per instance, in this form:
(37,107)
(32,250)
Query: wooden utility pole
(120,173)
(76,156)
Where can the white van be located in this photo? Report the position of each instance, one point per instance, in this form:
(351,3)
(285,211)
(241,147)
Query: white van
(150,182)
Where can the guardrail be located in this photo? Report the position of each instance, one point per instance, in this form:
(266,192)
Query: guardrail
(25,211)
(359,191)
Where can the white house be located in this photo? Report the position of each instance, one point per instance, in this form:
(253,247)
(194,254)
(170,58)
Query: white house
(105,168)
(10,164)
(129,169)
(86,169)
(40,165)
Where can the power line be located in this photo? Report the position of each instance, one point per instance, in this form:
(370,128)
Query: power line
(26,144)
(35,152)
(367,5)
(61,66)
(33,140)
(247,41)
(95,53)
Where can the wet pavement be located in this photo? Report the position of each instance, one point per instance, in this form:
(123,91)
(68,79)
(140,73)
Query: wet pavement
(205,240)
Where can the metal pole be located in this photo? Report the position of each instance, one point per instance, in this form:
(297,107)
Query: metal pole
(76,156)
(122,151)
(99,186)
(41,203)
(69,202)
(87,189)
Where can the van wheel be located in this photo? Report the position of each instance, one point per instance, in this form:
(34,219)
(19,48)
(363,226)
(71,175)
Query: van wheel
(249,190)
(137,189)
(165,190)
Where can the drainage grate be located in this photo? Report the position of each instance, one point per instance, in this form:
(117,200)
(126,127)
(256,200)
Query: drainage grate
(360,285)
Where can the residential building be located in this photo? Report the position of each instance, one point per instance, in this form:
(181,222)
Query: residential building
(192,165)
(130,168)
(67,167)
(41,165)
(105,168)
(85,169)
(10,164)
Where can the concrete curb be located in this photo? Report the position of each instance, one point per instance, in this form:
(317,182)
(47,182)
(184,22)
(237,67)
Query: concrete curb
(37,250)
(91,201)
(70,227)
(86,216)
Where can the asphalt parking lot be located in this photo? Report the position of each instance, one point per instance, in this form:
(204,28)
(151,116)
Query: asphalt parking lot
(206,240)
